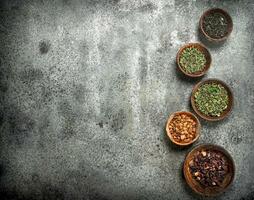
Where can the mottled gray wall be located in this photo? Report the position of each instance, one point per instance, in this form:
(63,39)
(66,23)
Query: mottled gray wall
(86,87)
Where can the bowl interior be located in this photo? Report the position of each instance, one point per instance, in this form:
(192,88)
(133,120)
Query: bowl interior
(204,50)
(188,114)
(208,191)
(225,112)
(225,14)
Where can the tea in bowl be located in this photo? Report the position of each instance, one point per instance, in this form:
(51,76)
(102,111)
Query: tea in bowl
(209,169)
(216,25)
(193,59)
(212,99)
(183,128)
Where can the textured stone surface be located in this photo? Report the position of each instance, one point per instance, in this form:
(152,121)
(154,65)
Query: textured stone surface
(86,88)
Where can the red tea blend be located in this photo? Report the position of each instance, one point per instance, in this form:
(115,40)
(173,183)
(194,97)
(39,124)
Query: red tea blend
(209,168)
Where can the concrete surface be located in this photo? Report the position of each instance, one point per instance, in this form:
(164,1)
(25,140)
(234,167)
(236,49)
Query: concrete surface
(87,86)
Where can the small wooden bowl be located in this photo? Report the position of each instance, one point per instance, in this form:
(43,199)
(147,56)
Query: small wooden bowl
(197,130)
(204,50)
(225,112)
(224,13)
(208,191)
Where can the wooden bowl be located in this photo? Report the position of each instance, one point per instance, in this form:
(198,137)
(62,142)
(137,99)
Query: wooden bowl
(204,50)
(225,112)
(229,28)
(198,188)
(197,130)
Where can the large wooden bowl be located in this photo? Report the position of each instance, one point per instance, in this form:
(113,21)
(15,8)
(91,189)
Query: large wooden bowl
(201,48)
(229,28)
(197,130)
(208,191)
(225,112)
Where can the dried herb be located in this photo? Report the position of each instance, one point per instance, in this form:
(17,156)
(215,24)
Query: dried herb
(183,128)
(215,25)
(211,99)
(209,168)
(192,60)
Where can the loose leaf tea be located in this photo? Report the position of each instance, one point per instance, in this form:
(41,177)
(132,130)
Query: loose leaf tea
(211,99)
(192,60)
(215,25)
(183,128)
(209,168)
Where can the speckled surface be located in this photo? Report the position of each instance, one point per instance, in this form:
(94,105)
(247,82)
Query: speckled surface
(87,86)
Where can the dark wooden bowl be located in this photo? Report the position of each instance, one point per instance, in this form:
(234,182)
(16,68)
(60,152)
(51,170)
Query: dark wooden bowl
(227,16)
(188,114)
(225,112)
(208,191)
(204,50)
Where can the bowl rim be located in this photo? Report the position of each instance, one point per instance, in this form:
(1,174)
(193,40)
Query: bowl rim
(178,55)
(217,148)
(209,118)
(230,27)
(171,116)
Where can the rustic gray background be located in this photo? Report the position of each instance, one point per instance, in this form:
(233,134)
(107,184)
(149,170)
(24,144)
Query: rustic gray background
(86,87)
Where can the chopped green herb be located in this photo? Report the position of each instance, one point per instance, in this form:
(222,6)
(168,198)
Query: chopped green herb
(211,99)
(215,25)
(192,60)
